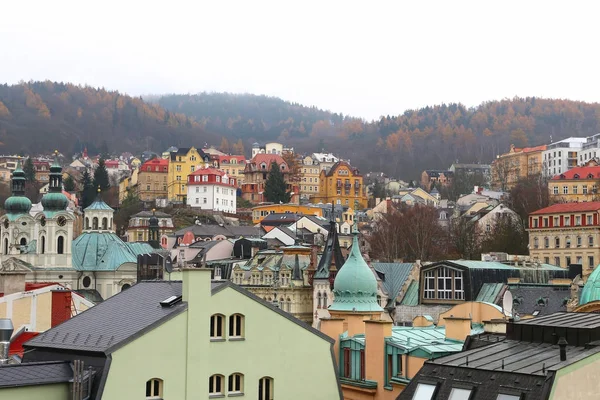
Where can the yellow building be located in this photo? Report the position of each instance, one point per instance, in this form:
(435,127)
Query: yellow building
(309,171)
(260,212)
(342,185)
(183,162)
(232,165)
(575,185)
(517,164)
(153,179)
(128,183)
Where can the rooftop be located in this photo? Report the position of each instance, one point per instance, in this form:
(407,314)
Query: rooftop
(569,207)
(579,173)
(35,373)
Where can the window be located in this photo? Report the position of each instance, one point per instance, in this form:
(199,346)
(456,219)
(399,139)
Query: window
(546,260)
(424,391)
(590,241)
(591,261)
(557,261)
(508,397)
(568,242)
(215,385)
(567,261)
(460,394)
(217,326)
(578,220)
(574,189)
(546,242)
(555,190)
(429,285)
(589,220)
(557,242)
(579,241)
(585,189)
(535,243)
(556,221)
(567,221)
(236,326)
(265,388)
(235,384)
(154,389)
(60,245)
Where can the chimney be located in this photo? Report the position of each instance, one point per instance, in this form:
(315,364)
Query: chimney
(375,333)
(61,307)
(333,327)
(457,328)
(562,344)
(6,330)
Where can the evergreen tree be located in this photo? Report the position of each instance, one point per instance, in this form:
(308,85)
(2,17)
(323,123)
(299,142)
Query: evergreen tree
(69,184)
(29,170)
(88,192)
(275,186)
(101,176)
(104,150)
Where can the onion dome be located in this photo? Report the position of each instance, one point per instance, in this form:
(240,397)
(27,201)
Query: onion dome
(55,200)
(591,289)
(18,203)
(355,286)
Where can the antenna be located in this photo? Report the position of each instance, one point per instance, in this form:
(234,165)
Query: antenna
(169,265)
(507,303)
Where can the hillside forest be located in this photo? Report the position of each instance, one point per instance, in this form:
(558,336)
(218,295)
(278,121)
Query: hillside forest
(41,116)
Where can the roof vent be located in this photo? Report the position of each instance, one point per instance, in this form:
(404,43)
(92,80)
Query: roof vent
(171,301)
(6,330)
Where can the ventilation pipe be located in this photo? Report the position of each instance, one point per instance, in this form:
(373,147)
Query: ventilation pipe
(562,344)
(6,330)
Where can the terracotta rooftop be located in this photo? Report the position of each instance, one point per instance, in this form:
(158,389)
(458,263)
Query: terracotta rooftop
(208,171)
(580,173)
(569,207)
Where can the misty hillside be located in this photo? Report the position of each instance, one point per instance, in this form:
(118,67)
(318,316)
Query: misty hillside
(43,116)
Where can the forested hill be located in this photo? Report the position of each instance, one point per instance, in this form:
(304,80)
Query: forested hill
(43,116)
(404,145)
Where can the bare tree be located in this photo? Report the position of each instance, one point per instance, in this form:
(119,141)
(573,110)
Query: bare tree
(464,238)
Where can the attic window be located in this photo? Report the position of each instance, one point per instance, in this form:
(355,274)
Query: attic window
(590,176)
(170,301)
(576,176)
(542,301)
(562,176)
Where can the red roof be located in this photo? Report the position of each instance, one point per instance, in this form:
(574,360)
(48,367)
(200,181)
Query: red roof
(38,285)
(16,344)
(155,162)
(569,207)
(268,159)
(582,172)
(227,159)
(208,171)
(532,149)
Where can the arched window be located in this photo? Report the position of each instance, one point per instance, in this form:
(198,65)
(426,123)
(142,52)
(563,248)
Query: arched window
(324,300)
(43,245)
(235,384)
(535,243)
(104,223)
(236,326)
(154,389)
(217,326)
(125,287)
(95,223)
(23,242)
(215,384)
(265,388)
(6,246)
(546,242)
(60,245)
(319,300)
(87,223)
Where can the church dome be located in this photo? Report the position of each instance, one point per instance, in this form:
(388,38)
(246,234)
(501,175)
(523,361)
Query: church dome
(54,202)
(355,286)
(591,290)
(17,205)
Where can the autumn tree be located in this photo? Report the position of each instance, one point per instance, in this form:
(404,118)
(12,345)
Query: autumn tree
(238,148)
(294,164)
(225,147)
(507,235)
(464,238)
(528,195)
(275,186)
(101,179)
(29,170)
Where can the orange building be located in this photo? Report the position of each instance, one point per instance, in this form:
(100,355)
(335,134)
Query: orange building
(342,185)
(518,163)
(256,173)
(232,165)
(152,179)
(260,212)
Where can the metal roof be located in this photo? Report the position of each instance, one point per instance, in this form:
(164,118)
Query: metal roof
(411,297)
(99,204)
(489,292)
(431,339)
(96,251)
(565,320)
(35,373)
(393,276)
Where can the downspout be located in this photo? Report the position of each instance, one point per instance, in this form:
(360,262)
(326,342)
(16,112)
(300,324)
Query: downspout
(94,273)
(79,278)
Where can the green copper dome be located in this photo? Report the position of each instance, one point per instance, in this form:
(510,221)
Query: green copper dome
(591,290)
(355,287)
(18,203)
(54,202)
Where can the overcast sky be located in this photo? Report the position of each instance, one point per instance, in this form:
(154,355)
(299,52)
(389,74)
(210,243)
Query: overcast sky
(366,58)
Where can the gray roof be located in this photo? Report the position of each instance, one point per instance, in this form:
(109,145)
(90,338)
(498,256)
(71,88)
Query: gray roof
(540,299)
(116,321)
(35,373)
(148,214)
(230,231)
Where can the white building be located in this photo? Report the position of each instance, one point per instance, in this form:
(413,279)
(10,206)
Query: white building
(590,149)
(212,189)
(562,155)
(270,148)
(326,160)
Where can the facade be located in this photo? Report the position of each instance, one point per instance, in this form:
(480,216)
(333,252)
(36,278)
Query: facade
(518,163)
(183,162)
(256,174)
(232,165)
(576,184)
(152,179)
(212,189)
(138,227)
(431,178)
(478,170)
(565,234)
(309,171)
(270,148)
(42,170)
(341,185)
(260,212)
(563,155)
(207,325)
(325,160)
(590,150)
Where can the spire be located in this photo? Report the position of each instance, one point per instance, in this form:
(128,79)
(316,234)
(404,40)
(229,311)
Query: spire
(17,203)
(18,180)
(55,178)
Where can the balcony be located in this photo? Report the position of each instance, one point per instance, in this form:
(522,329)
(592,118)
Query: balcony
(357,185)
(339,184)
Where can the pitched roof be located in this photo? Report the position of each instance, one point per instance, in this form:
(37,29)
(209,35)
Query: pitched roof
(569,207)
(489,292)
(267,159)
(393,276)
(411,297)
(155,162)
(339,164)
(208,171)
(35,373)
(540,300)
(579,173)
(116,321)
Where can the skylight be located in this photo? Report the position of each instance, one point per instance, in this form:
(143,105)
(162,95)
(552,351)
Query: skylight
(459,394)
(425,392)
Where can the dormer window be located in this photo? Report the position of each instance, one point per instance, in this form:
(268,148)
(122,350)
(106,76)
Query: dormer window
(576,176)
(562,176)
(590,176)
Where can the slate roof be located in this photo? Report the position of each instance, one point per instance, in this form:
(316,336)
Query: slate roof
(107,326)
(95,251)
(276,219)
(540,300)
(393,276)
(35,373)
(411,297)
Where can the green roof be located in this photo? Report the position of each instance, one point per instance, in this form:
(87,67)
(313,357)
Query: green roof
(489,292)
(591,290)
(411,297)
(394,276)
(471,264)
(99,204)
(94,251)
(430,339)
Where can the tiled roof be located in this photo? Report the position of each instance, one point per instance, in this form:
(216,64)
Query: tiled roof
(393,276)
(569,207)
(411,297)
(35,373)
(155,162)
(581,172)
(115,321)
(540,300)
(208,171)
(267,159)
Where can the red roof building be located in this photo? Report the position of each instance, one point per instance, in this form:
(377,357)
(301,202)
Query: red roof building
(255,177)
(152,179)
(212,189)
(564,234)
(579,184)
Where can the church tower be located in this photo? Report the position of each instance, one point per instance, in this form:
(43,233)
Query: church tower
(153,231)
(98,216)
(16,225)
